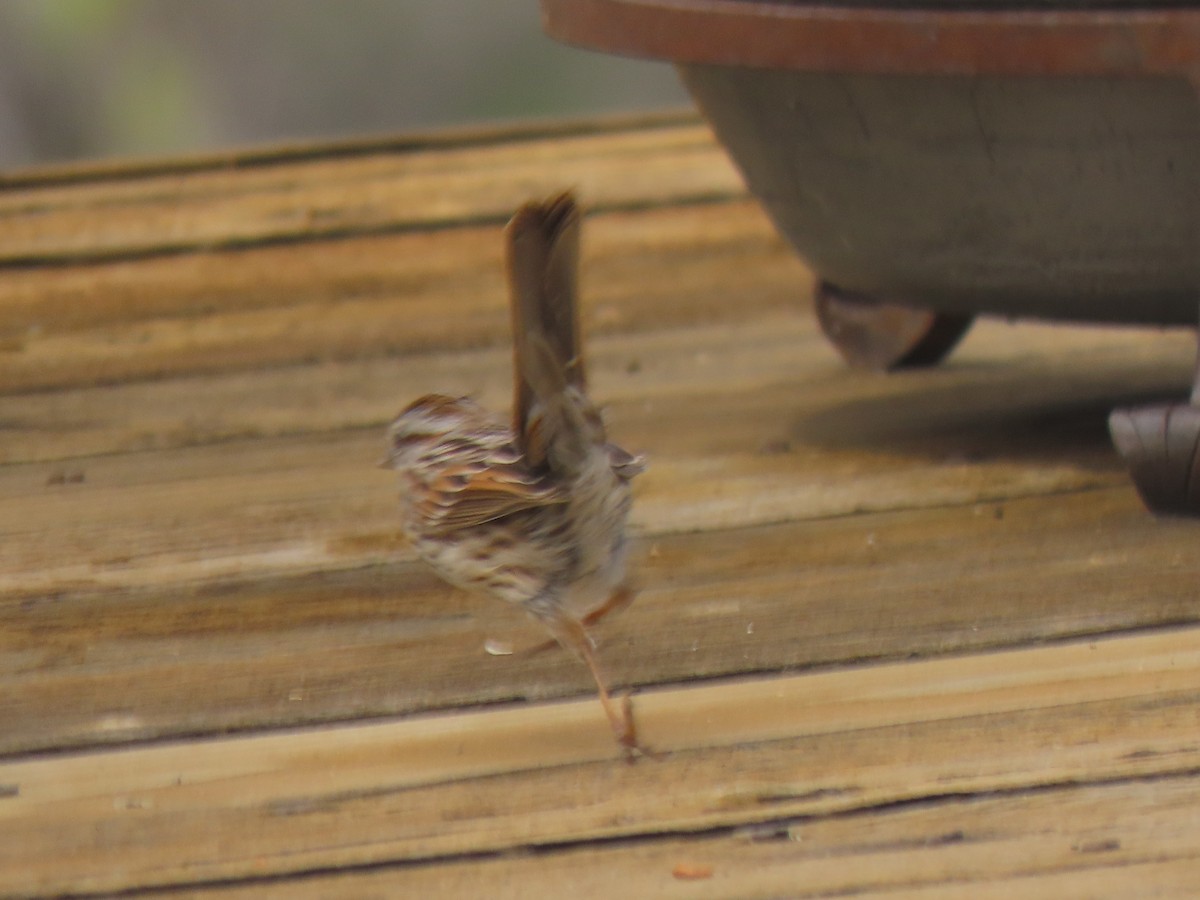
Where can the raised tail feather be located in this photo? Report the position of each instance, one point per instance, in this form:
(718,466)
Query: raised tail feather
(543,271)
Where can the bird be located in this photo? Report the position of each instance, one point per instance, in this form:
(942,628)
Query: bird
(531,510)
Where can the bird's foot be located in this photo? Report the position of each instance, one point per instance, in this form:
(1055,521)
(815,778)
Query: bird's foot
(625,729)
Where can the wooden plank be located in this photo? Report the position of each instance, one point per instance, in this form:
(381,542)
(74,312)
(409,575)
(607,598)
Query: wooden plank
(84,667)
(250,581)
(741,753)
(307,439)
(372,297)
(1136,838)
(326,195)
(298,150)
(196,365)
(634,356)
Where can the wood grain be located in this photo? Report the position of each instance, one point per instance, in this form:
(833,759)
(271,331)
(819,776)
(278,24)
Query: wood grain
(233,203)
(898,634)
(527,776)
(218,311)
(241,571)
(1110,840)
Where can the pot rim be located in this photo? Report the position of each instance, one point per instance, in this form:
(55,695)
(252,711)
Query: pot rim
(823,38)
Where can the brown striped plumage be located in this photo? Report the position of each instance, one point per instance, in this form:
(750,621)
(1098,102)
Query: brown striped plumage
(533,512)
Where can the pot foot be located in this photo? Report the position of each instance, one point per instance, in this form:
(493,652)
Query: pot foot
(1161,446)
(882,336)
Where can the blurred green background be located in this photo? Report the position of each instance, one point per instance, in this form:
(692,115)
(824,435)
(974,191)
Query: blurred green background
(103,78)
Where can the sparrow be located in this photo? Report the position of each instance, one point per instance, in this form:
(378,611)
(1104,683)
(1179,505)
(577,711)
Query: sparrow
(531,510)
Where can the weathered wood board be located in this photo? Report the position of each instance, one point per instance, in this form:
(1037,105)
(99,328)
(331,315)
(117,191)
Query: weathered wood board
(896,634)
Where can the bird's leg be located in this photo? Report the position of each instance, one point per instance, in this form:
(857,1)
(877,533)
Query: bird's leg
(616,602)
(572,635)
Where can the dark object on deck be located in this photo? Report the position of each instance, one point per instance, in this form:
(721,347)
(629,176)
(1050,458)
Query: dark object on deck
(874,334)
(1161,445)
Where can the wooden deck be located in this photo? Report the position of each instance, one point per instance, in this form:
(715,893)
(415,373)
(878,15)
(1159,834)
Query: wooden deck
(902,636)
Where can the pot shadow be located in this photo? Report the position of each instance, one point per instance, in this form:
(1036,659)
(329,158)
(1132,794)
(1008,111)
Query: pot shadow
(990,413)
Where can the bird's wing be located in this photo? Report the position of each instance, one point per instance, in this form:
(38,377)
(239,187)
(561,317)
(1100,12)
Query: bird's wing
(467,494)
